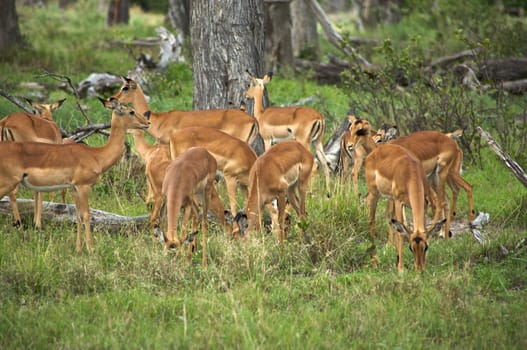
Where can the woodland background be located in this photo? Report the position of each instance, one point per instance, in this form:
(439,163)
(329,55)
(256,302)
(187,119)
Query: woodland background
(439,65)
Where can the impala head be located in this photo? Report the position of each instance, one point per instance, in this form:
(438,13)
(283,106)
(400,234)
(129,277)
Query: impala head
(359,130)
(241,224)
(125,115)
(387,132)
(257,85)
(45,110)
(418,241)
(127,91)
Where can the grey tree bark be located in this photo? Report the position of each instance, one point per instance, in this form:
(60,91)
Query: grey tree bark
(278,42)
(179,15)
(118,12)
(227,39)
(304,31)
(10,36)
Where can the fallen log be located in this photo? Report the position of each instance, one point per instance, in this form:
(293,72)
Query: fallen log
(63,212)
(507,160)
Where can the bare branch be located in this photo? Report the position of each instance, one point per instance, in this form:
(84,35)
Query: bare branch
(15,101)
(332,35)
(511,164)
(64,78)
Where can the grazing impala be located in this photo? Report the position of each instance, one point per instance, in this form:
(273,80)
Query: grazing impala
(38,127)
(234,157)
(441,159)
(232,121)
(303,124)
(189,178)
(440,153)
(48,167)
(277,174)
(393,172)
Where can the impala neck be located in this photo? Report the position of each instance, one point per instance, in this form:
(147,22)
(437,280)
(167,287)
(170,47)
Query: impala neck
(368,144)
(417,202)
(139,103)
(110,153)
(141,145)
(258,105)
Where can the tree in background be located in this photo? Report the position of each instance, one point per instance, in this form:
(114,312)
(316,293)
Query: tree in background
(118,12)
(226,39)
(10,36)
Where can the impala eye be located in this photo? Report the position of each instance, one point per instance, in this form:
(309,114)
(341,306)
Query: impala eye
(132,112)
(125,88)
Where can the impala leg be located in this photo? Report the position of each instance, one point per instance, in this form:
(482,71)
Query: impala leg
(459,181)
(80,196)
(281,216)
(344,165)
(231,183)
(321,156)
(399,239)
(37,217)
(390,207)
(357,164)
(154,216)
(204,225)
(372,200)
(14,206)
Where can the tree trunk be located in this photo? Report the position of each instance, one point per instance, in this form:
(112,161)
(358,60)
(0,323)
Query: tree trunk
(304,33)
(227,39)
(10,36)
(118,12)
(278,43)
(179,15)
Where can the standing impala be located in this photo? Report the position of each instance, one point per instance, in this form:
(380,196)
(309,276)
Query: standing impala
(279,173)
(189,178)
(441,158)
(48,167)
(156,158)
(234,157)
(25,127)
(358,154)
(303,124)
(232,121)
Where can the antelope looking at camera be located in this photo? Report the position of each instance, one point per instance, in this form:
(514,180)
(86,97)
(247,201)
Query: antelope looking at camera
(303,124)
(384,134)
(232,121)
(234,157)
(439,155)
(46,167)
(189,178)
(279,174)
(37,127)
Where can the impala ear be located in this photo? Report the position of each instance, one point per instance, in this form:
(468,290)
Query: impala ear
(401,228)
(435,229)
(267,78)
(241,220)
(57,104)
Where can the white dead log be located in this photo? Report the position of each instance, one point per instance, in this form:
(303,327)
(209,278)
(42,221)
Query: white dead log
(507,160)
(62,212)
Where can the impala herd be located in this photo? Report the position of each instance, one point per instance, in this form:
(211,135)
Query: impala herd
(192,147)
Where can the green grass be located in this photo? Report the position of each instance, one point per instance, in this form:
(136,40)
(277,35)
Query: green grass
(313,292)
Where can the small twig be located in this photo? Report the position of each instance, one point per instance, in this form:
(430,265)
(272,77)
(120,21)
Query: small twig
(64,78)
